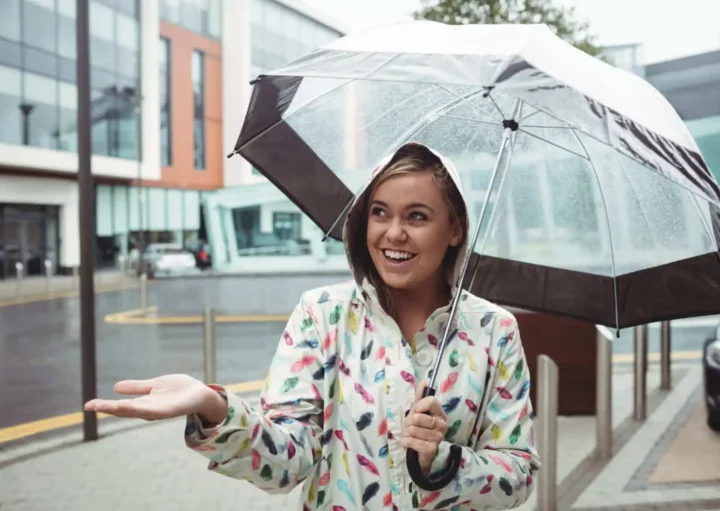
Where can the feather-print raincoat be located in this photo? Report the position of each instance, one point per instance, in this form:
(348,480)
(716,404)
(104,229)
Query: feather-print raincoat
(341,383)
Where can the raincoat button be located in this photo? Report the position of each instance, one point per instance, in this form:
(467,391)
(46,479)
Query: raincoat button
(423,359)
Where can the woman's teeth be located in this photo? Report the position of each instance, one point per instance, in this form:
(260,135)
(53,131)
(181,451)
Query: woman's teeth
(398,256)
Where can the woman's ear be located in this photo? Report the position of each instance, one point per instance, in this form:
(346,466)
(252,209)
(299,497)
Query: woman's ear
(457,234)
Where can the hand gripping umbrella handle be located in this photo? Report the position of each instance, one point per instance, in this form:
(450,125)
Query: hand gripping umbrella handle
(440,481)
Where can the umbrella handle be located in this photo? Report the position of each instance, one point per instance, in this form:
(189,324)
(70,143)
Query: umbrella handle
(443,479)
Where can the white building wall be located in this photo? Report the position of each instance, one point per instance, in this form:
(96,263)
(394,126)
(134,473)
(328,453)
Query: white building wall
(150,89)
(236,51)
(52,192)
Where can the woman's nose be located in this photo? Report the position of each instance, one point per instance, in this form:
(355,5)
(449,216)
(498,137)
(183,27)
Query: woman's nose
(396,231)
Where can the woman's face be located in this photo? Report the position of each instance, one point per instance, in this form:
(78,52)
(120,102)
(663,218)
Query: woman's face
(409,230)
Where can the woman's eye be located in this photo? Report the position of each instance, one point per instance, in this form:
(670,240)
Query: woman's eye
(418,216)
(377,211)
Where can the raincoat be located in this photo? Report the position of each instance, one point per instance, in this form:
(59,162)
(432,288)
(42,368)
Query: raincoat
(339,388)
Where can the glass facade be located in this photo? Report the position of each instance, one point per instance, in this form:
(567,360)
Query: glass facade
(198,83)
(200,16)
(38,93)
(280,35)
(707,135)
(130,217)
(165,113)
(29,236)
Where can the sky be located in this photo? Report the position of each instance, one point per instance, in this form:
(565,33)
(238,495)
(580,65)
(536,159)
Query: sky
(667,28)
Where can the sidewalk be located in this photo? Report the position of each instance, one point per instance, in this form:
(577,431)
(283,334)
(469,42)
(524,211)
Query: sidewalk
(147,466)
(61,285)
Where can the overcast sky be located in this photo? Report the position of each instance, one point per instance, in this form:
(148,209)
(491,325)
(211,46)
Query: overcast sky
(667,28)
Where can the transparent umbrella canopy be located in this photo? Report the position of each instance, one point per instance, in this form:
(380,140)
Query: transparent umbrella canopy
(591,213)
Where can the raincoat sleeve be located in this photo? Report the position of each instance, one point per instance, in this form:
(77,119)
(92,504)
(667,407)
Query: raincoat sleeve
(277,448)
(498,472)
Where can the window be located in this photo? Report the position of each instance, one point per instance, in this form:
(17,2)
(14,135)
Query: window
(286,226)
(200,16)
(165,117)
(10,20)
(10,116)
(198,82)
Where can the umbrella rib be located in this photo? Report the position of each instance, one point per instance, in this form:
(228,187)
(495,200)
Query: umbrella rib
(610,235)
(462,118)
(461,97)
(629,156)
(583,156)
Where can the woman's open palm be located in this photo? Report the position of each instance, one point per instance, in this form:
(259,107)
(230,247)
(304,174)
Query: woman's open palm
(164,397)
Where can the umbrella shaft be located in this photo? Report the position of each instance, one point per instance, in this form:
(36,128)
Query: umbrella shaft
(503,159)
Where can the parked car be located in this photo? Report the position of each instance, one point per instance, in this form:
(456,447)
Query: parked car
(711,371)
(166,258)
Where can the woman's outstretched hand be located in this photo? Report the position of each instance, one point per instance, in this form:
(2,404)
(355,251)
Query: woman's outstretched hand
(164,397)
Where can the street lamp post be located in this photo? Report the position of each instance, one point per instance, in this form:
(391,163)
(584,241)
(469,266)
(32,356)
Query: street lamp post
(135,99)
(87,222)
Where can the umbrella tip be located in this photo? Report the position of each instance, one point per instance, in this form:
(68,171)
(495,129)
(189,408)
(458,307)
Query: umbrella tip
(232,154)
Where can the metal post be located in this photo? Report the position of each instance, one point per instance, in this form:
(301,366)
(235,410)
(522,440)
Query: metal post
(665,352)
(143,293)
(76,278)
(48,276)
(547,432)
(640,345)
(603,394)
(87,220)
(209,345)
(19,274)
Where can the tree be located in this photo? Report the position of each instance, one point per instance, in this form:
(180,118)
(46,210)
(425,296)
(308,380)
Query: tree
(561,20)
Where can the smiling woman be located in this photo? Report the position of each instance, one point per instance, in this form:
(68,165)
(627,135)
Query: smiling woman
(415,219)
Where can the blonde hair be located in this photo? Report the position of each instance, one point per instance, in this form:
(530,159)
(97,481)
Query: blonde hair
(412,158)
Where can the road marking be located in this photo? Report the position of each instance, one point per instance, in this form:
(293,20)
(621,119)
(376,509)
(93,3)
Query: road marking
(44,297)
(676,355)
(136,317)
(27,429)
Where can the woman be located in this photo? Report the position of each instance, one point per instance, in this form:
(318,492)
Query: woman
(342,400)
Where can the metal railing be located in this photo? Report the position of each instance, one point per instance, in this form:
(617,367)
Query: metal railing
(209,350)
(603,394)
(547,399)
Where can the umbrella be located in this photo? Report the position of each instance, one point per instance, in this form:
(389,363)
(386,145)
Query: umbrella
(590,197)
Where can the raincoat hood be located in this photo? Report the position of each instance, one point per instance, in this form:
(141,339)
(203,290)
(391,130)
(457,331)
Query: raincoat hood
(354,228)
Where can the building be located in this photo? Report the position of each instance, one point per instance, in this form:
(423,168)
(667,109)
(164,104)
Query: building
(170,84)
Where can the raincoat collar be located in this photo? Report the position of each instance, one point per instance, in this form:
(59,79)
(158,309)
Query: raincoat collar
(366,289)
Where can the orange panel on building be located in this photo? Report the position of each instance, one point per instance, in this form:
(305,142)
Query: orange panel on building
(182,173)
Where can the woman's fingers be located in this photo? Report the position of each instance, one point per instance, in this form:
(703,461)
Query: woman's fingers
(429,435)
(134,387)
(422,447)
(430,405)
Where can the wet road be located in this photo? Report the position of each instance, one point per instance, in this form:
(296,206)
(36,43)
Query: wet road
(40,342)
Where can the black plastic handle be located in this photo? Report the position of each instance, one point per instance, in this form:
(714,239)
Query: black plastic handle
(442,479)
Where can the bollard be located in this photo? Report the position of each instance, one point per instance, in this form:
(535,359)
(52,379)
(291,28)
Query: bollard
(19,274)
(640,346)
(48,276)
(143,293)
(665,352)
(209,345)
(603,394)
(547,398)
(76,276)
(122,264)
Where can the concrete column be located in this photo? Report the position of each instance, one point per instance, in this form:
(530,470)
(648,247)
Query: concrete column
(236,89)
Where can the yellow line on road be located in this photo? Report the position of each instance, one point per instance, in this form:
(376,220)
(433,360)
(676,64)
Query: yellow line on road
(676,355)
(44,297)
(136,317)
(27,429)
